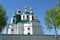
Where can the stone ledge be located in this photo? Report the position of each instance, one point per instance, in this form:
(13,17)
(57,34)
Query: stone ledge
(27,37)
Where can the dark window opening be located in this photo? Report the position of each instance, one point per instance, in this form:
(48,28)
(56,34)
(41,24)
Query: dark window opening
(28,28)
(19,12)
(19,17)
(13,20)
(32,18)
(27,16)
(28,33)
(23,16)
(11,29)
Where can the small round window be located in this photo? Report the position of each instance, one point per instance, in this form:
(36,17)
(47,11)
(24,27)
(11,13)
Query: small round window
(28,28)
(28,33)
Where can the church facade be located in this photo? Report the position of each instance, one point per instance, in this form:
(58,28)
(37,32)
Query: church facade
(25,26)
(24,23)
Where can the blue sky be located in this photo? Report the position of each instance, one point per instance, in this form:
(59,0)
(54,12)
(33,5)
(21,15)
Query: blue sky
(39,9)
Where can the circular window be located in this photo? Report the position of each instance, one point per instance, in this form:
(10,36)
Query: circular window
(28,28)
(28,33)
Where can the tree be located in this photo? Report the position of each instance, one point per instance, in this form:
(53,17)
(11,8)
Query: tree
(3,18)
(52,18)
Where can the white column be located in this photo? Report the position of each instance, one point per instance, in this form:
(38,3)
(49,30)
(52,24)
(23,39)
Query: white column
(9,30)
(30,17)
(21,17)
(25,16)
(31,11)
(17,28)
(11,20)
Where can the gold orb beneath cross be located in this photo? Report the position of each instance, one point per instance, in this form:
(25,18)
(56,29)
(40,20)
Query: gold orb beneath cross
(31,9)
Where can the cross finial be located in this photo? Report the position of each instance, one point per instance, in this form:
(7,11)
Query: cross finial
(18,7)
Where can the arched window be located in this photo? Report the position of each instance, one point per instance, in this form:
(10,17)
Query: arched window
(27,16)
(19,17)
(14,20)
(32,18)
(23,17)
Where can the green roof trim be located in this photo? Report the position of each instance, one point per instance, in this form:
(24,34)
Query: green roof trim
(26,12)
(19,11)
(31,14)
(22,21)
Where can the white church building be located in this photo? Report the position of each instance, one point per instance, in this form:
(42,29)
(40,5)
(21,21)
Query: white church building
(25,23)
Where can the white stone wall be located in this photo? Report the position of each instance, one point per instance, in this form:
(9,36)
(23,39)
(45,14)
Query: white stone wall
(26,26)
(37,28)
(30,16)
(9,30)
(20,28)
(12,20)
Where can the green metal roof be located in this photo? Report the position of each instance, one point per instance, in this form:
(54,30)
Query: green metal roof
(31,13)
(22,21)
(28,13)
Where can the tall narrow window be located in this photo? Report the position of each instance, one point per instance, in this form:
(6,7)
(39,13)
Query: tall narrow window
(27,16)
(32,18)
(13,20)
(19,17)
(23,17)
